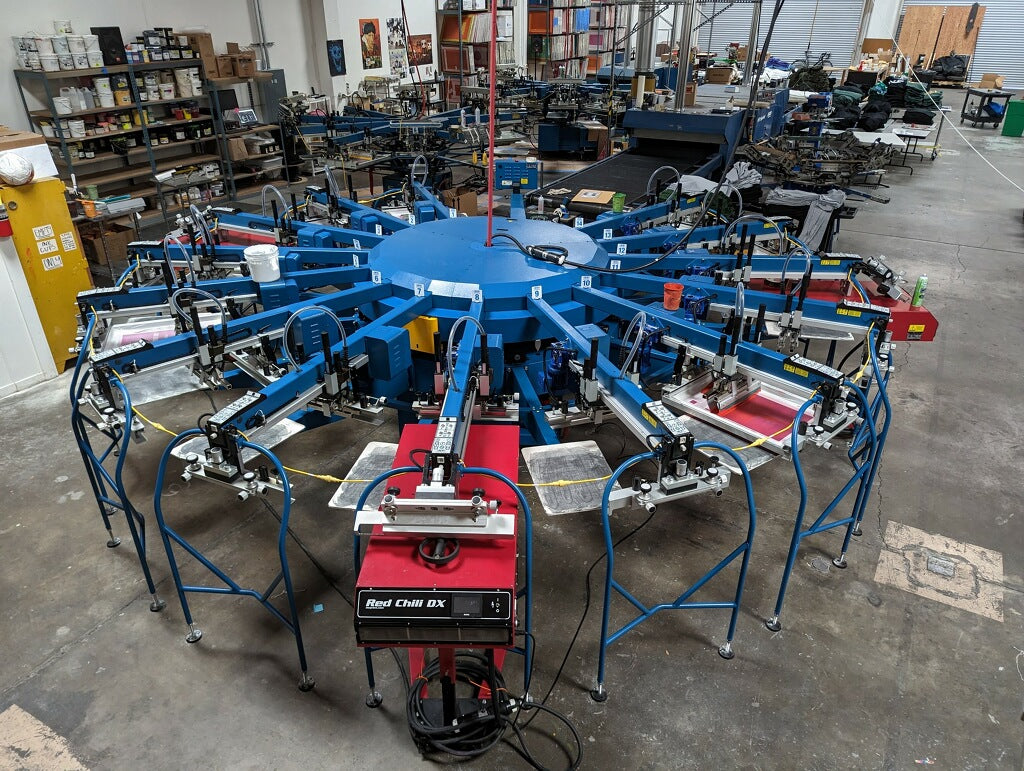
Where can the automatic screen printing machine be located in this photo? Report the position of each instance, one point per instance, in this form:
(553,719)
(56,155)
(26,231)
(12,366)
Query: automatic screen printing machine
(487,336)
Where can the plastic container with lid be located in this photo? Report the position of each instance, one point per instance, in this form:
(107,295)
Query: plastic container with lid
(263,263)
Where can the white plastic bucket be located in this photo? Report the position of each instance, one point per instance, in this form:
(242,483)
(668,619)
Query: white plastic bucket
(66,61)
(49,62)
(62,105)
(95,58)
(44,45)
(262,260)
(60,44)
(33,60)
(77,128)
(81,61)
(92,42)
(76,44)
(166,91)
(102,86)
(62,26)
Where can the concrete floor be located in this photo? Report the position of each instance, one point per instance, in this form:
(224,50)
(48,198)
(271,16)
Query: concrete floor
(863,675)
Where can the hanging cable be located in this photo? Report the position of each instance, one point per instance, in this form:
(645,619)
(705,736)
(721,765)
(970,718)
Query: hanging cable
(451,345)
(492,123)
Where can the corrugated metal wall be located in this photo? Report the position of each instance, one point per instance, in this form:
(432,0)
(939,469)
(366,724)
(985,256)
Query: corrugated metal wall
(813,26)
(1000,46)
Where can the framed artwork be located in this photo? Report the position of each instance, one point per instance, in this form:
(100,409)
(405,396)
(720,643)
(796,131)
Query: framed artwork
(397,54)
(421,50)
(336,57)
(369,44)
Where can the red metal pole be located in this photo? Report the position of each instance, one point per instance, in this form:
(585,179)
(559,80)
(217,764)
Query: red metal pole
(491,122)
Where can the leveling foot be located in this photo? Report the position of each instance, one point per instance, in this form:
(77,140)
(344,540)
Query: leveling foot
(157,604)
(374,699)
(840,561)
(857,531)
(773,624)
(599,694)
(306,683)
(114,542)
(194,635)
(726,651)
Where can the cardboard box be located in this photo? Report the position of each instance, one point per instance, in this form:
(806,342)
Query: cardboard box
(991,80)
(690,95)
(719,75)
(244,64)
(461,198)
(31,147)
(594,196)
(202,44)
(225,66)
(238,150)
(111,248)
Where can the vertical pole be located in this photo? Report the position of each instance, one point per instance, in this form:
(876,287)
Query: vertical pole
(491,122)
(750,67)
(685,41)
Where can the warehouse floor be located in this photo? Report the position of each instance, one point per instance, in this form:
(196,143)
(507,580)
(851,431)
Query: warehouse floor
(884,665)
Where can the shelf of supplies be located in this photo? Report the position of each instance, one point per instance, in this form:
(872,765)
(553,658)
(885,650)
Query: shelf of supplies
(49,116)
(179,100)
(257,156)
(109,178)
(133,130)
(113,69)
(252,130)
(238,79)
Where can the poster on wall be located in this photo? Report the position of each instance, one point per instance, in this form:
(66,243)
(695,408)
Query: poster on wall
(336,57)
(421,50)
(369,43)
(397,54)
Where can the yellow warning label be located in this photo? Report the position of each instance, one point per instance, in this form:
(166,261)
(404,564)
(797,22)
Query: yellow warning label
(847,312)
(524,181)
(649,418)
(916,328)
(795,370)
(829,262)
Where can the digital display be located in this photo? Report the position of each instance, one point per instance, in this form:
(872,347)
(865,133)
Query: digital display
(467,605)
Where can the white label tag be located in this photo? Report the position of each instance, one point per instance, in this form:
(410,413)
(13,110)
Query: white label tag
(380,230)
(607,233)
(412,219)
(578,222)
(620,248)
(453,212)
(375,276)
(356,244)
(47,246)
(615,264)
(419,290)
(586,281)
(49,263)
(67,240)
(536,292)
(478,296)
(43,231)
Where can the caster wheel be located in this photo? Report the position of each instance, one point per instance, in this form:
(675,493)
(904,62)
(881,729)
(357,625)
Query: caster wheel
(599,695)
(773,624)
(374,699)
(194,636)
(839,562)
(114,542)
(306,683)
(157,605)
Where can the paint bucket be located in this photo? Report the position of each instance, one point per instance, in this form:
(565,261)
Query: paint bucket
(49,62)
(62,105)
(62,27)
(44,44)
(60,45)
(47,130)
(102,86)
(153,93)
(66,61)
(166,91)
(81,61)
(673,293)
(76,44)
(92,42)
(619,203)
(29,43)
(95,59)
(33,61)
(262,260)
(77,128)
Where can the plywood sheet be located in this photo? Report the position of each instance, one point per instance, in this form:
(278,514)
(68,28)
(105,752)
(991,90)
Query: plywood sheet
(920,31)
(953,36)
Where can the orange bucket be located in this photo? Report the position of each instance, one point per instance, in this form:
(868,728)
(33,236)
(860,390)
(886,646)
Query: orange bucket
(673,294)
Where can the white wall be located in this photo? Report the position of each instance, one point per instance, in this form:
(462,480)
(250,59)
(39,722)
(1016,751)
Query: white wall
(286,26)
(342,21)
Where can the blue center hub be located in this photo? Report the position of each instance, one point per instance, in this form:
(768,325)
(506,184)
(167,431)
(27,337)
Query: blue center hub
(450,259)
